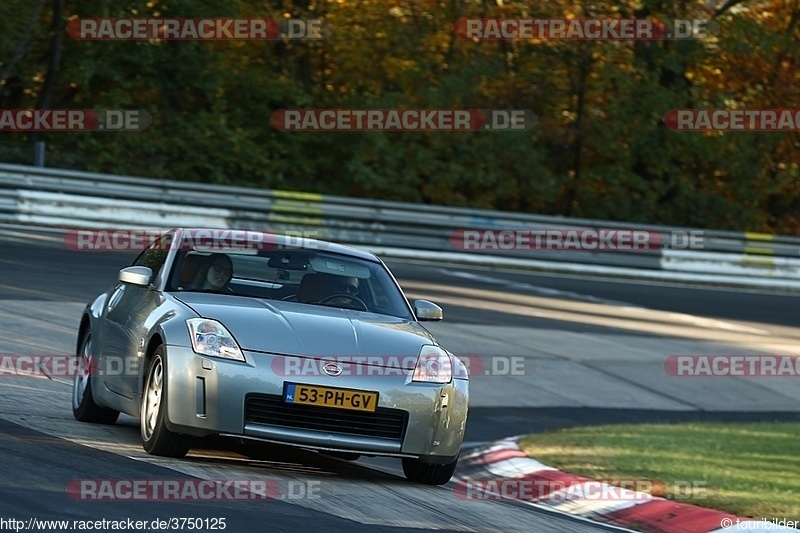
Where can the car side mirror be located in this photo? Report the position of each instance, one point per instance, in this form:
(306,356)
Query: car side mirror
(136,275)
(426,310)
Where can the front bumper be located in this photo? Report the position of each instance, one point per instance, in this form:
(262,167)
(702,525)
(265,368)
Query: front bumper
(206,396)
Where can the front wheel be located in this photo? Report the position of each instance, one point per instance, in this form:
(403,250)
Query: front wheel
(157,439)
(428,474)
(84,407)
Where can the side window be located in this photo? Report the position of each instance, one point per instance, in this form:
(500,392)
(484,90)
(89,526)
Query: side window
(155,256)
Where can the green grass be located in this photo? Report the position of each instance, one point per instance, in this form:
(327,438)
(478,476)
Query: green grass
(750,469)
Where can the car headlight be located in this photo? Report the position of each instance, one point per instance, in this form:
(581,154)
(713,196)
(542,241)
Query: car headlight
(433,365)
(209,337)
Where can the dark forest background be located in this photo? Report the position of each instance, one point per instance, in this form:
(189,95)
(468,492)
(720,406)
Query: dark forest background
(600,149)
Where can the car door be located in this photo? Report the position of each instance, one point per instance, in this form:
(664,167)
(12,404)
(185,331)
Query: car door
(125,325)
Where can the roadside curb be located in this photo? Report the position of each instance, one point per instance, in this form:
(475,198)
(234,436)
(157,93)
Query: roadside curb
(504,460)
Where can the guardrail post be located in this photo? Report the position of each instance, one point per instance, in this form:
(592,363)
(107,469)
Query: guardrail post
(38,153)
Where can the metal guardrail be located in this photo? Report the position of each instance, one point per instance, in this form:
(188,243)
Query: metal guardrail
(64,198)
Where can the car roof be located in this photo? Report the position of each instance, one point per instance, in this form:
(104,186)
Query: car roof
(288,241)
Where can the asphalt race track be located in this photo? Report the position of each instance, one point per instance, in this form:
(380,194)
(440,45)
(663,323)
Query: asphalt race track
(554,352)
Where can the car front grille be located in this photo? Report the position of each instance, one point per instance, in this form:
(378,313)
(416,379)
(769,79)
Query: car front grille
(271,409)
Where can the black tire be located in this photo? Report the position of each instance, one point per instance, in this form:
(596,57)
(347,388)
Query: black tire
(428,474)
(84,407)
(156,438)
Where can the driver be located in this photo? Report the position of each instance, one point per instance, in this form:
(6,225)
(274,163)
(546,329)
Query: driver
(219,272)
(328,289)
(341,285)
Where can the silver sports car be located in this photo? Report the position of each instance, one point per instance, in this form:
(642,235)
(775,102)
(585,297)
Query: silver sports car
(278,339)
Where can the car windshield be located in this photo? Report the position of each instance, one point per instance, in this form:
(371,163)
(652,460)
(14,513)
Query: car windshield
(302,276)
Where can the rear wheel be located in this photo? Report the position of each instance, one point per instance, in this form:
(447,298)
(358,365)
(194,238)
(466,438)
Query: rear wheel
(428,474)
(84,407)
(157,439)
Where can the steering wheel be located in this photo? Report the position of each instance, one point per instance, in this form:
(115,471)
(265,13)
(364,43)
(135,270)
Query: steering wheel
(351,297)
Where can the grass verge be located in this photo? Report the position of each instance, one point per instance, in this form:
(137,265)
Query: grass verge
(749,469)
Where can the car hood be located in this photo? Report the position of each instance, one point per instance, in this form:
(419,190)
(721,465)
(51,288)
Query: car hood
(292,328)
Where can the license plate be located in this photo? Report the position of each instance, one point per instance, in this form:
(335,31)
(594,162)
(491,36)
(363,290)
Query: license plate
(354,400)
